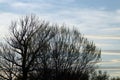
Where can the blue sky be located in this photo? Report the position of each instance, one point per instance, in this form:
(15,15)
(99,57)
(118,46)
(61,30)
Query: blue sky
(98,20)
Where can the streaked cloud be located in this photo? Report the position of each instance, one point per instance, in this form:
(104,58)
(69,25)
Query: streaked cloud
(30,6)
(2,1)
(112,29)
(114,61)
(7,1)
(117,73)
(103,44)
(116,51)
(23,5)
(111,53)
(117,37)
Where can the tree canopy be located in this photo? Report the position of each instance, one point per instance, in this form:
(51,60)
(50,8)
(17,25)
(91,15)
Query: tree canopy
(37,50)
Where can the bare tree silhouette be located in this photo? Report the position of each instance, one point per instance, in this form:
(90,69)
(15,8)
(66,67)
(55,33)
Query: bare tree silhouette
(39,51)
(7,68)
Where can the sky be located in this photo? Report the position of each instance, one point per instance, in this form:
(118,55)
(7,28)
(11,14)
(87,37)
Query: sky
(98,20)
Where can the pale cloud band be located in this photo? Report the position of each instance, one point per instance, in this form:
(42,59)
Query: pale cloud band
(103,37)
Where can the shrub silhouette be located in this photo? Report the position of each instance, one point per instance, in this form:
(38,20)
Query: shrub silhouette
(115,78)
(99,75)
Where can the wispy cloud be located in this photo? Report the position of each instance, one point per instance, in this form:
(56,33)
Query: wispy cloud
(112,29)
(110,53)
(23,5)
(103,44)
(30,6)
(7,1)
(117,73)
(2,1)
(116,51)
(103,37)
(110,63)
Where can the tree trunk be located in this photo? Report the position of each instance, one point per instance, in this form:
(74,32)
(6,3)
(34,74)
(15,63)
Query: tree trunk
(24,77)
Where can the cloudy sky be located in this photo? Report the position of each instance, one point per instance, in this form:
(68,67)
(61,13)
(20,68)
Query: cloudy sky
(98,20)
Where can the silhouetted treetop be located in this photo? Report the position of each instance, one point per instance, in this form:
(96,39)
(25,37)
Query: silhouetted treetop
(39,51)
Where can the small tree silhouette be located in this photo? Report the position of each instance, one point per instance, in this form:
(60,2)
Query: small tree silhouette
(99,75)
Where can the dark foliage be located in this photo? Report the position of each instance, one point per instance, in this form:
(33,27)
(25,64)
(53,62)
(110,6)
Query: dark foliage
(115,78)
(99,75)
